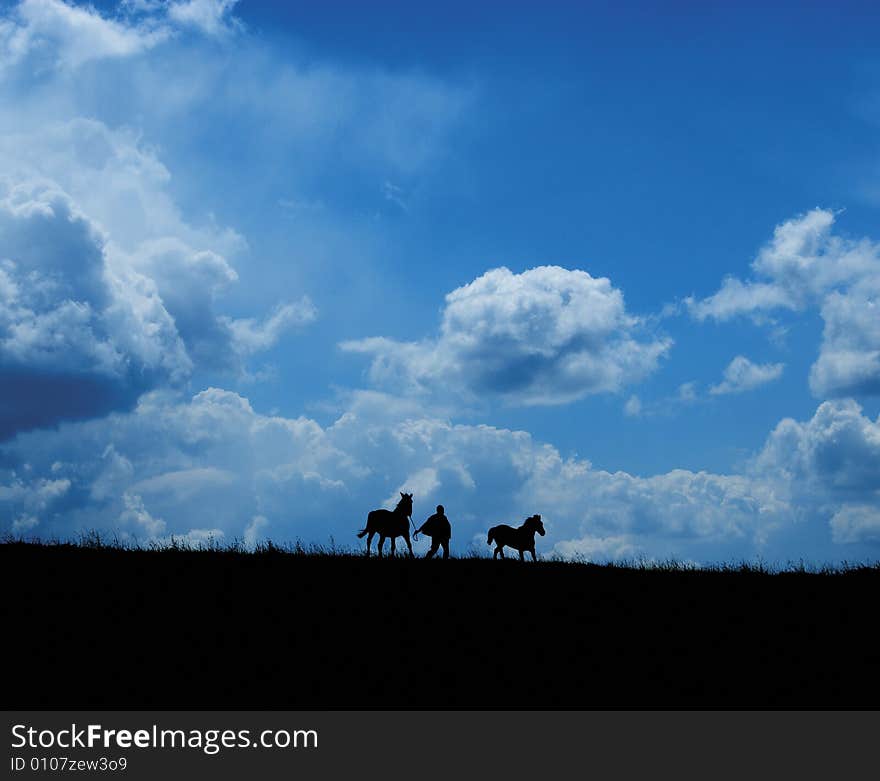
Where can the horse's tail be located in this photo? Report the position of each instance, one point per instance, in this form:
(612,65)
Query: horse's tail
(491,535)
(362,533)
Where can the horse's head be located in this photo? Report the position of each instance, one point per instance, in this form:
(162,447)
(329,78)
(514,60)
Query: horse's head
(534,523)
(405,504)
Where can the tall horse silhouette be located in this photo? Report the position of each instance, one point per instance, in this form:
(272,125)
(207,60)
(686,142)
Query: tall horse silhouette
(521,538)
(390,523)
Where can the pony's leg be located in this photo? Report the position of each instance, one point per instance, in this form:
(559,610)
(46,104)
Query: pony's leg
(369,540)
(500,551)
(522,554)
(532,551)
(381,544)
(393,546)
(408,545)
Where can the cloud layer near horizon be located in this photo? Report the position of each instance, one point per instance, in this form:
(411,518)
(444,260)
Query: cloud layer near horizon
(172,462)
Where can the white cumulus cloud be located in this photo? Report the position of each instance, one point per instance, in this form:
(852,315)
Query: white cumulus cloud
(60,34)
(99,307)
(212,17)
(856,523)
(834,455)
(56,34)
(742,375)
(807,265)
(546,336)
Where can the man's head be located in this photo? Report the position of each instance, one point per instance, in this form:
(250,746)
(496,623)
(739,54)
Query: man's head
(440,509)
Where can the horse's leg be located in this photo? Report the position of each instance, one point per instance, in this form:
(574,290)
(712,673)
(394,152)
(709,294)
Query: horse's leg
(393,545)
(381,544)
(532,551)
(522,554)
(500,551)
(408,545)
(369,540)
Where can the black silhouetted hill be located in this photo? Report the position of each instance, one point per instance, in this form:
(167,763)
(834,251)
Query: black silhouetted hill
(102,626)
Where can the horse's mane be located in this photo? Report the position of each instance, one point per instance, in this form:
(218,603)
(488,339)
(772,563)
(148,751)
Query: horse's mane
(401,501)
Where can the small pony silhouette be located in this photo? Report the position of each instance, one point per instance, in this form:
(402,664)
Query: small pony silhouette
(390,523)
(522,538)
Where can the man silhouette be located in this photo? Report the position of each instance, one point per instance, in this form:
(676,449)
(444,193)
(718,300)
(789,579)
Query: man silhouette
(438,529)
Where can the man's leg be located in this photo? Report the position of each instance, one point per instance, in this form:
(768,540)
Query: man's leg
(434,545)
(445,545)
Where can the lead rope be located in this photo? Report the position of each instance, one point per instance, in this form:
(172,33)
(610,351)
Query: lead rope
(415,531)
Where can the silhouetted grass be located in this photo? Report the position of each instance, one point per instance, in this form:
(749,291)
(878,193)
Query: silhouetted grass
(94,540)
(106,622)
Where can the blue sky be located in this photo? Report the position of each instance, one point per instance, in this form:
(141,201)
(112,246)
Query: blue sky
(261,267)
